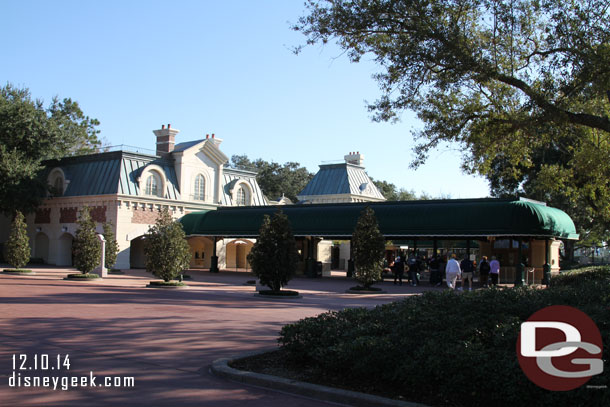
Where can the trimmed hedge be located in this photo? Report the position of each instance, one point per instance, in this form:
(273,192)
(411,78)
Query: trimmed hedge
(444,348)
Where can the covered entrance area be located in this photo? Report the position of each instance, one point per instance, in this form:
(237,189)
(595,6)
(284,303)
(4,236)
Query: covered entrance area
(64,250)
(520,232)
(237,253)
(201,251)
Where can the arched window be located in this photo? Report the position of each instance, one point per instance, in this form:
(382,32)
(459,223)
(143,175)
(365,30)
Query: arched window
(199,192)
(59,186)
(242,198)
(152,185)
(56,182)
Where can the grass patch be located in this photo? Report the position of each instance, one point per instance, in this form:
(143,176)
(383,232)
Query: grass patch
(409,349)
(161,283)
(18,271)
(361,288)
(81,276)
(281,293)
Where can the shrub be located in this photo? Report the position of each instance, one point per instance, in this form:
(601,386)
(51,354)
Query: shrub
(368,245)
(445,348)
(167,251)
(86,247)
(112,247)
(18,245)
(274,256)
(580,275)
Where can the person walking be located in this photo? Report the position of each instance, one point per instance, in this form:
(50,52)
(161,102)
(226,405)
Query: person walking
(452,271)
(494,271)
(484,271)
(467,273)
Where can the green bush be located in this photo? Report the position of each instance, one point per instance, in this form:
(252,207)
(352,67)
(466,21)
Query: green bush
(18,245)
(582,274)
(112,246)
(368,247)
(167,251)
(274,256)
(86,247)
(444,348)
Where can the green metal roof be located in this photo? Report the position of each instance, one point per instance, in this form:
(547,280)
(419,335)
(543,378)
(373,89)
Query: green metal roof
(342,178)
(443,218)
(114,172)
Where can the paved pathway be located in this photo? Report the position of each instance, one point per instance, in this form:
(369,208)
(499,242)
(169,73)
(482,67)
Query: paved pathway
(165,339)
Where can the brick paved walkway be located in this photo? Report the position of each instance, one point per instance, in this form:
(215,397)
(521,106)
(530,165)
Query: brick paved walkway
(165,339)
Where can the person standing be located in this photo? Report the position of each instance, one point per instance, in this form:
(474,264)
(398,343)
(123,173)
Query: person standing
(467,273)
(413,266)
(435,273)
(494,270)
(484,271)
(452,271)
(398,269)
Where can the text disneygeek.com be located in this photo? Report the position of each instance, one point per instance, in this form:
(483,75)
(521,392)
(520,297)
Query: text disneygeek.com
(24,365)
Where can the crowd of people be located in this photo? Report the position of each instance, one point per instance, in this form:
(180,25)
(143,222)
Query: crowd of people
(454,271)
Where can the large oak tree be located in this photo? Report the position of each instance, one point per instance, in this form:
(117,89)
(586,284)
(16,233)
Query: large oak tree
(523,86)
(31,133)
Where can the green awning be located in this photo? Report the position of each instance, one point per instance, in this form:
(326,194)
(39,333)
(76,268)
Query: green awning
(458,218)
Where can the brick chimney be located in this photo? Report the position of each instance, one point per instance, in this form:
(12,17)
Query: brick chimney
(166,138)
(355,158)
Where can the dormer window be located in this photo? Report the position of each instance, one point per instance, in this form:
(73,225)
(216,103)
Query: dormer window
(59,186)
(152,185)
(199,190)
(242,197)
(56,182)
(152,181)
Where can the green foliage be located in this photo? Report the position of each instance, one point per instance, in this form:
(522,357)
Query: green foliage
(18,244)
(112,247)
(30,134)
(410,348)
(581,275)
(368,246)
(274,179)
(391,193)
(167,251)
(521,86)
(87,249)
(274,256)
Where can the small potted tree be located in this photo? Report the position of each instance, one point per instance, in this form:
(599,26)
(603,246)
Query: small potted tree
(368,246)
(112,248)
(18,246)
(274,256)
(167,251)
(87,248)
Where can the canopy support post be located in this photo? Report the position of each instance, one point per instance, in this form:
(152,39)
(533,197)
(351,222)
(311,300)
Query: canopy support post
(520,266)
(546,269)
(214,258)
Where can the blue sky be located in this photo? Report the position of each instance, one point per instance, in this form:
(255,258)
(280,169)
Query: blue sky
(223,67)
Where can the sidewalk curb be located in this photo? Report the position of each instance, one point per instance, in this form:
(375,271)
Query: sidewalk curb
(220,368)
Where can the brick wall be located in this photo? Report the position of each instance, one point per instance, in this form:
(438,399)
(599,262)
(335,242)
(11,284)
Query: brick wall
(98,214)
(67,215)
(43,215)
(145,216)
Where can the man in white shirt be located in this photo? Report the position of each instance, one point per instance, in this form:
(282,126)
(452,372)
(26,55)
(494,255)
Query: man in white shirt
(452,271)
